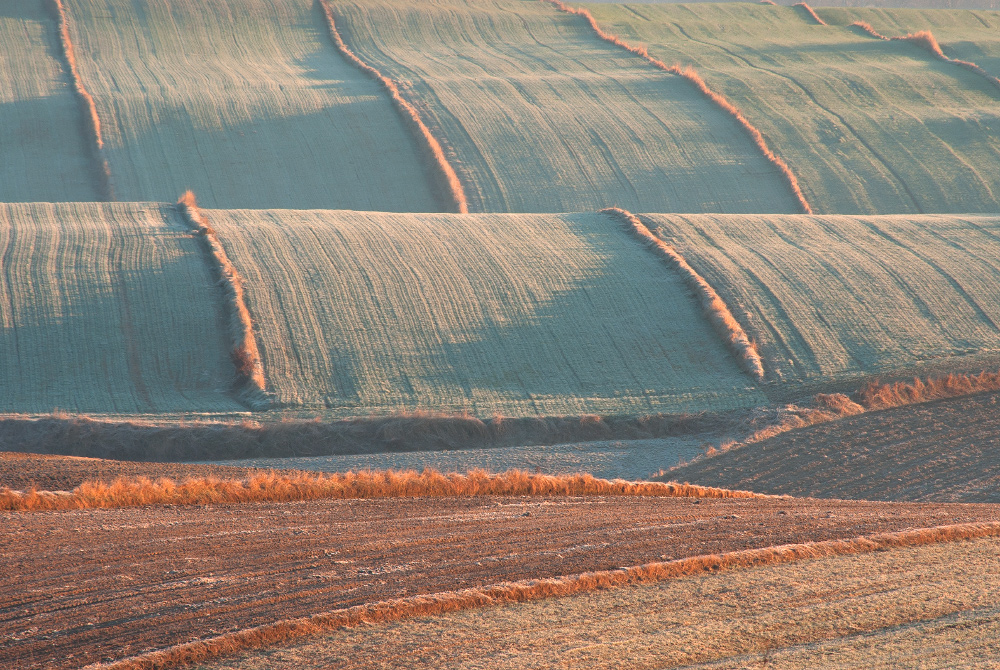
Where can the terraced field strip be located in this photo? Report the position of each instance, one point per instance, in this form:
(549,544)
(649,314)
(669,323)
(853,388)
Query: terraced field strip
(540,115)
(107,308)
(46,156)
(831,295)
(930,607)
(522,315)
(156,577)
(866,128)
(247,102)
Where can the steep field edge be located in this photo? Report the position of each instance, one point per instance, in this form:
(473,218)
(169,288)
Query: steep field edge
(448,185)
(536,589)
(245,354)
(811,12)
(692,76)
(91,121)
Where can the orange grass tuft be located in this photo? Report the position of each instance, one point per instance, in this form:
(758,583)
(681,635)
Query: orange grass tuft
(451,184)
(536,589)
(246,356)
(926,40)
(275,487)
(714,307)
(811,12)
(877,396)
(91,121)
(695,79)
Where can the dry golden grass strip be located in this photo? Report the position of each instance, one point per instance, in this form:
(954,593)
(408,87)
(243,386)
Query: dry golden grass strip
(811,12)
(448,181)
(713,306)
(272,487)
(245,355)
(522,591)
(925,39)
(695,79)
(91,121)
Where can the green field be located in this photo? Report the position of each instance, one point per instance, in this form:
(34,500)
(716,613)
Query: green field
(364,313)
(867,126)
(45,156)
(825,296)
(542,116)
(245,101)
(108,308)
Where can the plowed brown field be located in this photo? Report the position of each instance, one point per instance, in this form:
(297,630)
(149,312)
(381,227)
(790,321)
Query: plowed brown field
(88,586)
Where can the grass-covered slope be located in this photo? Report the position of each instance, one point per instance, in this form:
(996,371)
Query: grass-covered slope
(517,314)
(45,156)
(832,295)
(245,101)
(107,308)
(868,126)
(542,116)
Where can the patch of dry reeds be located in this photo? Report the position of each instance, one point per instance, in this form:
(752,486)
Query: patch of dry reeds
(722,320)
(449,183)
(811,12)
(877,396)
(925,39)
(284,487)
(91,121)
(695,79)
(245,355)
(536,589)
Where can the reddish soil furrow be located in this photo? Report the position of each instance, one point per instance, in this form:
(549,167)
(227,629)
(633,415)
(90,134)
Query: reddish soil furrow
(94,585)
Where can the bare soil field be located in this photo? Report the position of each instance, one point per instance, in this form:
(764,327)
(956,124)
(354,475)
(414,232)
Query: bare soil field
(87,586)
(943,451)
(934,606)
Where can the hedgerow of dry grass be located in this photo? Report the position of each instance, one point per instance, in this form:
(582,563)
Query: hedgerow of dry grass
(811,12)
(245,355)
(714,307)
(536,589)
(91,121)
(279,487)
(695,79)
(451,184)
(926,40)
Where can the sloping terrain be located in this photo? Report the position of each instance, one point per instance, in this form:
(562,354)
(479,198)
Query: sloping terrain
(107,308)
(929,607)
(151,577)
(867,126)
(828,296)
(512,314)
(939,451)
(542,116)
(245,101)
(45,155)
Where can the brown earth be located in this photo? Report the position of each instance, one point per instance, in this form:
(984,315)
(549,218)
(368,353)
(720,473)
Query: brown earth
(947,450)
(92,585)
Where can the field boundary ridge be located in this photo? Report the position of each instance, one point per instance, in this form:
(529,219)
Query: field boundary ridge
(449,186)
(811,12)
(91,120)
(536,589)
(691,75)
(713,306)
(245,354)
(926,40)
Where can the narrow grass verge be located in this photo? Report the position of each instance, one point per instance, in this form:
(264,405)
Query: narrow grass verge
(513,592)
(811,12)
(278,487)
(448,182)
(925,39)
(714,307)
(245,355)
(91,121)
(695,79)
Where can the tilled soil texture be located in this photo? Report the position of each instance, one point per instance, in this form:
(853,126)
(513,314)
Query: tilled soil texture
(948,451)
(64,473)
(92,585)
